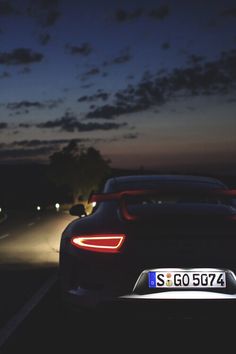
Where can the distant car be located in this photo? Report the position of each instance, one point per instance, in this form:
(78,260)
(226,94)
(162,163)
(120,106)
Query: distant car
(152,239)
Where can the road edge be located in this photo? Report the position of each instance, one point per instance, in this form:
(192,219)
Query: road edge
(21,315)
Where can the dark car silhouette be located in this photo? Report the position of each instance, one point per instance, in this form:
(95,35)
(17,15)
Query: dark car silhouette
(152,239)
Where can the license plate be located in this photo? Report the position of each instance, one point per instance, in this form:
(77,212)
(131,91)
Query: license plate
(187,279)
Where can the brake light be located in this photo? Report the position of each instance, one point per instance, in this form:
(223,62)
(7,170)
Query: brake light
(99,243)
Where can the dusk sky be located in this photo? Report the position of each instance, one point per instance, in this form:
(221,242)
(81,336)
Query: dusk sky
(148,83)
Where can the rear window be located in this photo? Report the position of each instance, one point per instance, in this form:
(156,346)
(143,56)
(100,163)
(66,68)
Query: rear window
(167,185)
(163,199)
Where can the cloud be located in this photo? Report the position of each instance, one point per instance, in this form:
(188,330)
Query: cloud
(22,105)
(51,18)
(5,75)
(46,12)
(93,71)
(3,125)
(47,4)
(231,12)
(194,59)
(160,12)
(6,9)
(17,113)
(90,73)
(111,111)
(29,150)
(86,86)
(20,56)
(25,153)
(200,78)
(84,49)
(122,15)
(44,38)
(131,100)
(165,45)
(98,96)
(24,125)
(69,123)
(122,58)
(37,142)
(130,136)
(25,70)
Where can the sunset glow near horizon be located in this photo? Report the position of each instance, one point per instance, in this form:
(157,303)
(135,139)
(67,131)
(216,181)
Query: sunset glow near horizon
(147,83)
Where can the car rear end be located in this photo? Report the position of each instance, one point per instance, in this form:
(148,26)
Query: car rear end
(176,253)
(185,261)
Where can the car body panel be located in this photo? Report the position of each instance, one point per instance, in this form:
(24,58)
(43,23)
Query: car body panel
(179,235)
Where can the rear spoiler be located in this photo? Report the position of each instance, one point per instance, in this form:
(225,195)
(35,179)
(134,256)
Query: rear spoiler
(120,196)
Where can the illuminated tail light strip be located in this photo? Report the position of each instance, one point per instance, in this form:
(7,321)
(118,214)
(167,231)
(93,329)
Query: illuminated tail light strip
(99,243)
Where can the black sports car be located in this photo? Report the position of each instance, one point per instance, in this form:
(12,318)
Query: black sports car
(152,239)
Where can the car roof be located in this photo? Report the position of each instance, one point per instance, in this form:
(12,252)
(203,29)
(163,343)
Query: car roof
(142,181)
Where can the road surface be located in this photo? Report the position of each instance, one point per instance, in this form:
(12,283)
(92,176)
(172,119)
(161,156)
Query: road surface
(29,245)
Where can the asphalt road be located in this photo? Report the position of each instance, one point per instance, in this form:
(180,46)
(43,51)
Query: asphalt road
(29,245)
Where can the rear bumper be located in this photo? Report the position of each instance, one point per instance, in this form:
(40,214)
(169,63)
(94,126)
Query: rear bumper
(166,306)
(99,283)
(88,298)
(181,295)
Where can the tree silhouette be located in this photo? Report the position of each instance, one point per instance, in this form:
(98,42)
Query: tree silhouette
(80,169)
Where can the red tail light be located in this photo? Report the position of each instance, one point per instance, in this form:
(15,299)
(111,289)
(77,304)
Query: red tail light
(99,243)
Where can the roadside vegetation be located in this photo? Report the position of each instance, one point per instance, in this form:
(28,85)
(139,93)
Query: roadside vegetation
(81,170)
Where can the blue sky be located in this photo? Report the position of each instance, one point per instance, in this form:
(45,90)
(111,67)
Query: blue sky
(148,83)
